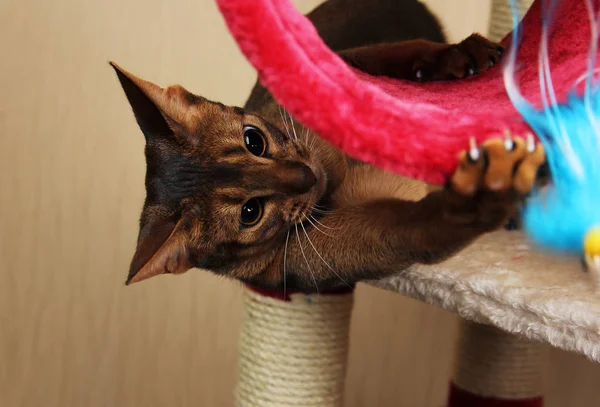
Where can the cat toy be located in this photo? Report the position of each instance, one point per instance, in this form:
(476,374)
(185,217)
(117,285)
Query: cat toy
(564,217)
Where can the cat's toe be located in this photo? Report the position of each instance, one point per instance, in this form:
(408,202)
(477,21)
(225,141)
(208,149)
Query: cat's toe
(482,52)
(475,54)
(502,156)
(531,168)
(471,166)
(499,165)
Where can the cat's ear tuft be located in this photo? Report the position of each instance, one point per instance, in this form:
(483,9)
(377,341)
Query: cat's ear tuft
(159,112)
(162,249)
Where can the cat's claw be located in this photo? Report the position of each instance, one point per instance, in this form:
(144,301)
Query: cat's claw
(473,55)
(499,164)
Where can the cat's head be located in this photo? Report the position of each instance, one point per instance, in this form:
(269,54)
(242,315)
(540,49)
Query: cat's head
(223,186)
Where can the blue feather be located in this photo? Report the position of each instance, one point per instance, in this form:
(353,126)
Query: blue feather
(558,217)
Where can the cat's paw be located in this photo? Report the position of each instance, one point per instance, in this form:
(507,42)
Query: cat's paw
(471,56)
(499,166)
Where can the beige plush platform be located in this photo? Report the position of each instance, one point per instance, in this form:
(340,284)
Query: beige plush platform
(502,281)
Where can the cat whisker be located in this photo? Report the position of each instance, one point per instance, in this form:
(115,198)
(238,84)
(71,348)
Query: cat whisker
(317,228)
(287,129)
(285,122)
(325,226)
(321,211)
(321,257)
(314,140)
(305,259)
(284,263)
(293,125)
(324,208)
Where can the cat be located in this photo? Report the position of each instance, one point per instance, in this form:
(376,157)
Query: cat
(251,194)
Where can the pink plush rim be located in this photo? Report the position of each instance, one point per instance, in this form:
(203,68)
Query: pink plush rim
(385,130)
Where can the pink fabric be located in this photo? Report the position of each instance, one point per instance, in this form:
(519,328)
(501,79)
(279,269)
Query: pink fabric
(413,129)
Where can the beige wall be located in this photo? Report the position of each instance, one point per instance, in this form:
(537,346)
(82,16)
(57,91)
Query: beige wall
(71,187)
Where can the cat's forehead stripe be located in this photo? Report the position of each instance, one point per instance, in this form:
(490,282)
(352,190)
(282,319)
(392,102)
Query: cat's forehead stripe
(224,173)
(233,150)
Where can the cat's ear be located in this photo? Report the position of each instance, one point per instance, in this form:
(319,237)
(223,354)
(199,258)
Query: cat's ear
(162,249)
(159,112)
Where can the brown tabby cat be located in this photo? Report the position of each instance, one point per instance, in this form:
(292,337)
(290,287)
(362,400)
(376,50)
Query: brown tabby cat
(249,194)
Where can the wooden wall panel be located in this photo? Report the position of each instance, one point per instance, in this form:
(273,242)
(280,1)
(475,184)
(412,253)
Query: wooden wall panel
(71,187)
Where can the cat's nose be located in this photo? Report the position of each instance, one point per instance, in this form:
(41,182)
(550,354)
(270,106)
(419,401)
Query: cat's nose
(309,177)
(296,178)
(303,180)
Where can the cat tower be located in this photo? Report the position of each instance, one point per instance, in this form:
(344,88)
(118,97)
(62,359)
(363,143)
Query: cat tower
(513,301)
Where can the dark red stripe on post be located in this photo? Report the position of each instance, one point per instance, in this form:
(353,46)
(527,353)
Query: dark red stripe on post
(462,398)
(279,295)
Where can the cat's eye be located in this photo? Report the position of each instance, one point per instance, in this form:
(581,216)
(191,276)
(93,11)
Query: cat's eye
(255,141)
(252,211)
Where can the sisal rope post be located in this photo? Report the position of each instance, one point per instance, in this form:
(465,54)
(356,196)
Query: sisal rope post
(494,366)
(293,350)
(501,17)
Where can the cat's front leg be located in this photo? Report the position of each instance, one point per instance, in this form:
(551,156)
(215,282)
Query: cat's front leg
(422,60)
(375,239)
(473,55)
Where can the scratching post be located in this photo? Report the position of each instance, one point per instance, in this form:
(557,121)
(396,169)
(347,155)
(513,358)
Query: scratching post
(501,17)
(495,368)
(293,349)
